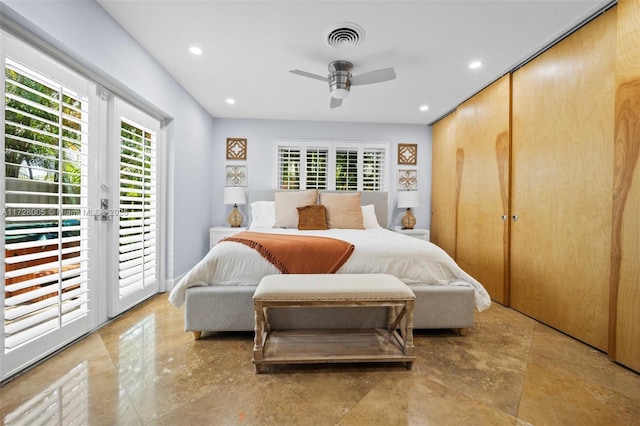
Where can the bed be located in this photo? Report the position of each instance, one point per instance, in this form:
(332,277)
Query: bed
(217,292)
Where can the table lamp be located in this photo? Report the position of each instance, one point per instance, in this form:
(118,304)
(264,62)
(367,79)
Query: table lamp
(408,199)
(234,195)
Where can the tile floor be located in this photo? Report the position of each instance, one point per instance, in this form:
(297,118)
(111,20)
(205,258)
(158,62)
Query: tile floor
(143,368)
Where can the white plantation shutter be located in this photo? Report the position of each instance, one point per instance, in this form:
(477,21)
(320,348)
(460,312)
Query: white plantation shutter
(346,169)
(373,169)
(317,161)
(46,228)
(289,167)
(138,240)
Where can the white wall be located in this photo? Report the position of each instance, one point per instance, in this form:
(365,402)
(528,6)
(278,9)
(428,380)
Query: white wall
(260,135)
(84,32)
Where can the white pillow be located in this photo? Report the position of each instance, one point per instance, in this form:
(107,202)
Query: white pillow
(369,218)
(263,214)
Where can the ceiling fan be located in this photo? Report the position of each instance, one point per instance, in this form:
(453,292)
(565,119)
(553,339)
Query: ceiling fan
(340,79)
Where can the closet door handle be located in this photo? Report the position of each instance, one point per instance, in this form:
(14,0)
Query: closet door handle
(504,218)
(514,218)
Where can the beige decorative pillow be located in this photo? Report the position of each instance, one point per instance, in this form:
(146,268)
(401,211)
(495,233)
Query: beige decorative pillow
(312,217)
(287,203)
(343,210)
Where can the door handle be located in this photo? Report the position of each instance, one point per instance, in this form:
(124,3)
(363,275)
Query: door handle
(514,218)
(103,214)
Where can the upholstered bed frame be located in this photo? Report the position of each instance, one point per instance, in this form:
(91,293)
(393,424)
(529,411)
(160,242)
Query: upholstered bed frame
(230,308)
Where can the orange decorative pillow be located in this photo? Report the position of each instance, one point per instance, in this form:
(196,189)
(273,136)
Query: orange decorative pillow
(312,217)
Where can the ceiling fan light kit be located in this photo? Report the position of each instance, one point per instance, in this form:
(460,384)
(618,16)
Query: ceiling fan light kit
(339,79)
(339,93)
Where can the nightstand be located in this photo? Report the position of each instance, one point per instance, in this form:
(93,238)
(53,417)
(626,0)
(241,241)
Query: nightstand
(422,234)
(219,232)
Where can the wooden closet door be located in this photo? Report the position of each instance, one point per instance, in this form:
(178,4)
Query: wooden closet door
(444,187)
(624,339)
(482,245)
(562,161)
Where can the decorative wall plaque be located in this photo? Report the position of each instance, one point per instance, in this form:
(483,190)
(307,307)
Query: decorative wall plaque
(407,153)
(236,176)
(236,149)
(407,179)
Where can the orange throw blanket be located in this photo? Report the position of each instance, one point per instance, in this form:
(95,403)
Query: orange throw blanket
(298,254)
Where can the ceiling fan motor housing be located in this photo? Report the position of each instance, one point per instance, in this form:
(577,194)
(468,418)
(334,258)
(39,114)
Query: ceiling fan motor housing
(340,75)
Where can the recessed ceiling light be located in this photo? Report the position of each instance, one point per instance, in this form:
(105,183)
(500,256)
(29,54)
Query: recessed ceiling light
(424,107)
(475,64)
(195,50)
(231,101)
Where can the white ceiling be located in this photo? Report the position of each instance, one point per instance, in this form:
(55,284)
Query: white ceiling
(250,46)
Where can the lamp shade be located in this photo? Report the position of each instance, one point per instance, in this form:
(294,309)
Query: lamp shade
(408,199)
(234,195)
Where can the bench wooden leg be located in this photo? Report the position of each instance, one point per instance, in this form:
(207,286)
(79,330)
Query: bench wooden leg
(462,331)
(197,335)
(260,335)
(409,348)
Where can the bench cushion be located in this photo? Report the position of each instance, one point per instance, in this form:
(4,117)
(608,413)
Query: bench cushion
(341,287)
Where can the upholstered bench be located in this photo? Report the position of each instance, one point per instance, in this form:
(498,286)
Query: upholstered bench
(294,346)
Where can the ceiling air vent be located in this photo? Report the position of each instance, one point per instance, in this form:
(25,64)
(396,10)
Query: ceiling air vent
(344,35)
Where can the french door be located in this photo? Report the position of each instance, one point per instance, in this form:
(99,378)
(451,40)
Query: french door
(134,238)
(49,237)
(80,206)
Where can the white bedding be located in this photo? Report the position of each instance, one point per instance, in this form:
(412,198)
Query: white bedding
(379,250)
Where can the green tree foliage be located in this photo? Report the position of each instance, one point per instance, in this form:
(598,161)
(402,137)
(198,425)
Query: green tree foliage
(37,139)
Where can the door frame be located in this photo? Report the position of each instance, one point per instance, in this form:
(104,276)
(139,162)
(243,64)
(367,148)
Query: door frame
(99,274)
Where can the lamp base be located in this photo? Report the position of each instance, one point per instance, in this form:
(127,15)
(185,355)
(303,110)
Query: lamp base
(408,221)
(235,218)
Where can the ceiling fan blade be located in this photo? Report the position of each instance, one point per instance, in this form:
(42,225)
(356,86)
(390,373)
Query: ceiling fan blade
(370,77)
(335,103)
(310,75)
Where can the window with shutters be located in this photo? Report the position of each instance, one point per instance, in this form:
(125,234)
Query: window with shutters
(347,169)
(342,166)
(137,215)
(373,168)
(46,228)
(316,168)
(288,167)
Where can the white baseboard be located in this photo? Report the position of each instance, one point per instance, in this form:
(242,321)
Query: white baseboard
(170,283)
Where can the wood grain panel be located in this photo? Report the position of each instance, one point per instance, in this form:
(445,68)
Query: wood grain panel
(624,338)
(444,183)
(483,133)
(562,168)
